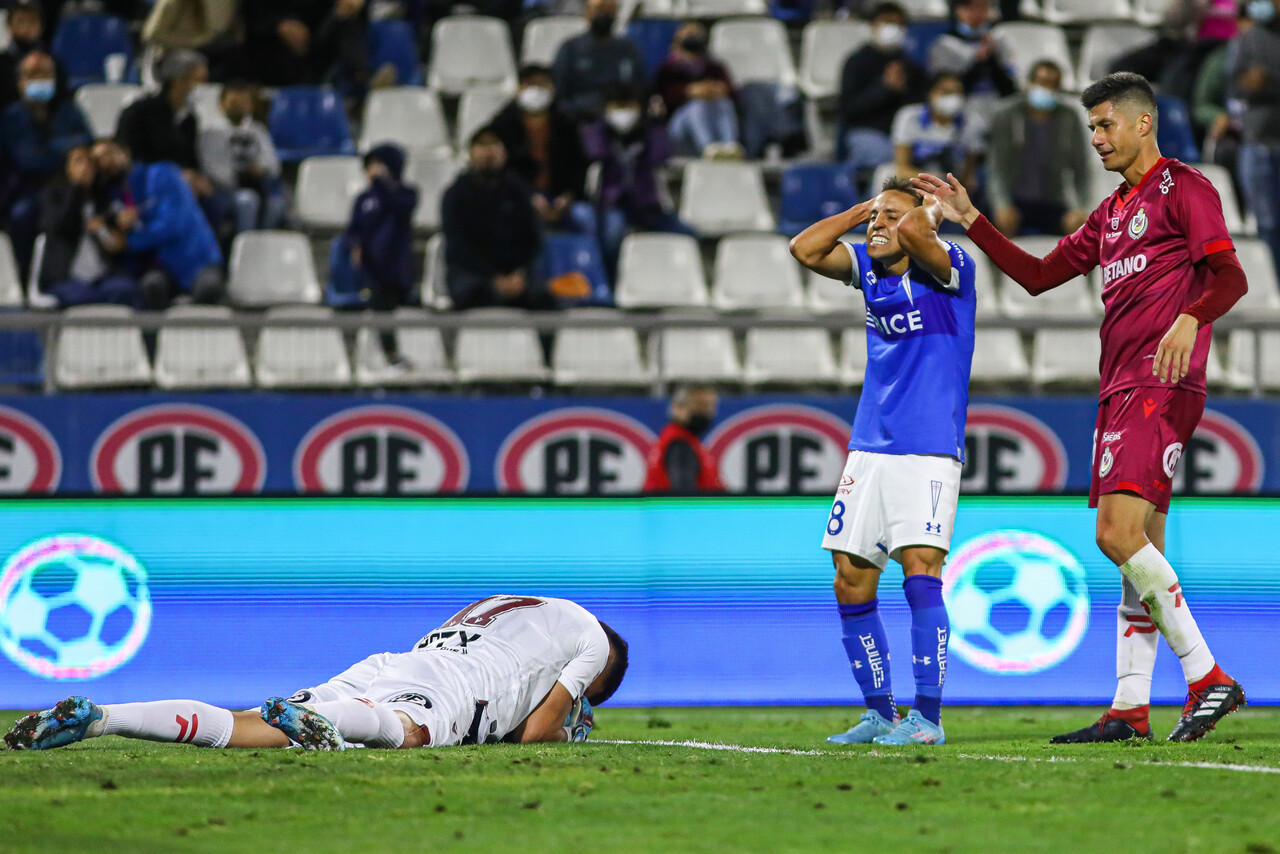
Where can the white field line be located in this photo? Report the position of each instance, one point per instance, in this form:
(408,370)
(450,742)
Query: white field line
(741,748)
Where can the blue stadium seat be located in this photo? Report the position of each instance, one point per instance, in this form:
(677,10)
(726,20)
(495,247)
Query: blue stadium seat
(568,256)
(920,37)
(654,36)
(21,358)
(82,44)
(814,191)
(309,121)
(391,42)
(1173,130)
(791,11)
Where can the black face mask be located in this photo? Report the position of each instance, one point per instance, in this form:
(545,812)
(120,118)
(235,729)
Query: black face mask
(698,424)
(694,44)
(602,24)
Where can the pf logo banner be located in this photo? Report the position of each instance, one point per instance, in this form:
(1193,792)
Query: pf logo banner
(780,449)
(29,458)
(578,451)
(381,450)
(177,449)
(1007,450)
(1222,457)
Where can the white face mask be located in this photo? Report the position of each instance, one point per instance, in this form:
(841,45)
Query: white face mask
(890,36)
(948,105)
(534,99)
(622,120)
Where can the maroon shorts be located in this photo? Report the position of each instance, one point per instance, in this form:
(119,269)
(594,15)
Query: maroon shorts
(1138,441)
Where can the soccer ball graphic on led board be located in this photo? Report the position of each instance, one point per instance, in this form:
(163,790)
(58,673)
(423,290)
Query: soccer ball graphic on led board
(1017,601)
(72,606)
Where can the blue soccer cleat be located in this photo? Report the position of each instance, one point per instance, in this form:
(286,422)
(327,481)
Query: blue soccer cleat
(870,726)
(914,729)
(308,728)
(66,723)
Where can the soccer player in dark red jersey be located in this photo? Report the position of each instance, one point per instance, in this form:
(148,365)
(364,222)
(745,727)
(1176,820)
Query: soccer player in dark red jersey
(1169,270)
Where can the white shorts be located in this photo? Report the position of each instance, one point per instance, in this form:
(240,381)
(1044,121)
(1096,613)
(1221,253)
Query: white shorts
(416,683)
(886,502)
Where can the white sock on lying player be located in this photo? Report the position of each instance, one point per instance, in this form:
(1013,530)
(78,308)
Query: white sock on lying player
(1136,645)
(1157,585)
(178,721)
(363,722)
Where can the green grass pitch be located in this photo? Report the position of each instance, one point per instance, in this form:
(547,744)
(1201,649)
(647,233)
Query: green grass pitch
(998,786)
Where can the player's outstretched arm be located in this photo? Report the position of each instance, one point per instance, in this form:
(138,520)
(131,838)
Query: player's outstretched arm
(545,723)
(818,246)
(918,237)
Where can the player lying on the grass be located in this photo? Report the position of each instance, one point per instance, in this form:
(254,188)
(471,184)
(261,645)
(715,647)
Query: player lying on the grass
(507,668)
(1169,270)
(897,497)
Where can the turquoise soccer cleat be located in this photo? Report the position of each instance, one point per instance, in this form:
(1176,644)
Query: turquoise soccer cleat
(308,728)
(66,723)
(871,725)
(914,729)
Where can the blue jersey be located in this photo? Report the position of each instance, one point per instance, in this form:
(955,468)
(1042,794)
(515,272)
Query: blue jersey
(919,351)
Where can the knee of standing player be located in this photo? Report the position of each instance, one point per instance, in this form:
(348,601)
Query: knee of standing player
(853,585)
(1116,539)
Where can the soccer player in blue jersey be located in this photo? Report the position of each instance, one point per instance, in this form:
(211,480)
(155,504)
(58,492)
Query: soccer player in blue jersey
(897,496)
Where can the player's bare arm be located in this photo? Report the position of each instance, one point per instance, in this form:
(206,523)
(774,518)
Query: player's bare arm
(918,237)
(818,246)
(1228,285)
(546,722)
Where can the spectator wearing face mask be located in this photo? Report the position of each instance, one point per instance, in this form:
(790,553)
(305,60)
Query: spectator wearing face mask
(678,461)
(934,136)
(589,65)
(26,33)
(239,159)
(877,81)
(697,94)
(1255,74)
(1036,146)
(543,148)
(974,55)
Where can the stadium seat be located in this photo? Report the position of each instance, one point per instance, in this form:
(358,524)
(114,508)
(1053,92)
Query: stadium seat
(409,116)
(36,298)
(853,357)
(1220,177)
(421,346)
(543,37)
(272,268)
(1215,373)
(10,281)
(755,50)
(301,356)
(325,189)
(1085,11)
(100,356)
(827,296)
(985,278)
(1150,12)
(1066,356)
(309,121)
(1174,133)
(998,358)
(433,292)
(724,8)
(824,47)
(1073,300)
(4,29)
(391,42)
(654,36)
(756,272)
(1104,43)
(575,269)
(189,357)
(794,357)
(510,355)
(697,355)
(476,108)
(21,358)
(660,271)
(599,357)
(469,51)
(432,176)
(1242,359)
(920,38)
(1027,43)
(719,197)
(917,9)
(82,44)
(1263,297)
(102,104)
(814,191)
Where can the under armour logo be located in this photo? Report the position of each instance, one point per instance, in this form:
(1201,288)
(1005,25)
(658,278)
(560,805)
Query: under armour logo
(933,527)
(925,661)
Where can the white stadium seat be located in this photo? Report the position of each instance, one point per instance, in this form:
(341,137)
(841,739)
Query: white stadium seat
(720,197)
(1263,297)
(36,298)
(917,9)
(1027,43)
(476,108)
(660,271)
(432,176)
(100,356)
(1104,43)
(1150,12)
(205,101)
(1066,356)
(302,356)
(755,271)
(696,355)
(409,116)
(421,346)
(272,268)
(605,356)
(1086,11)
(102,104)
(469,51)
(985,278)
(1072,300)
(203,357)
(10,281)
(853,356)
(828,296)
(795,357)
(998,357)
(1220,177)
(824,47)
(543,37)
(433,291)
(723,8)
(755,50)
(326,188)
(499,355)
(1242,362)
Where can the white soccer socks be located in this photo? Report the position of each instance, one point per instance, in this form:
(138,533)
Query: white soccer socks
(178,721)
(1161,597)
(1136,644)
(363,722)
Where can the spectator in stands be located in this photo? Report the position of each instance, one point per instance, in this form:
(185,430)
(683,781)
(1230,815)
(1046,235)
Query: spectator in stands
(303,42)
(1256,75)
(936,136)
(240,161)
(1037,143)
(374,255)
(697,94)
(543,147)
(26,33)
(679,462)
(164,227)
(1217,125)
(36,132)
(83,260)
(971,52)
(588,66)
(877,81)
(1189,31)
(630,150)
(492,234)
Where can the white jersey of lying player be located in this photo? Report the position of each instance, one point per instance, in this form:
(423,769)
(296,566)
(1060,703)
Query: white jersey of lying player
(478,676)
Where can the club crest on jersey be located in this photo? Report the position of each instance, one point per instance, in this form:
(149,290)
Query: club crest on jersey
(1104,466)
(1138,225)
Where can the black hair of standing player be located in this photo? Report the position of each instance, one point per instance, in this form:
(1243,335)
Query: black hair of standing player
(1122,87)
(619,669)
(902,185)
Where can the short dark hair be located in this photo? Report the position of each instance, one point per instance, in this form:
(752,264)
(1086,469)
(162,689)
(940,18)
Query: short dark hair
(533,69)
(902,185)
(1123,87)
(622,93)
(1044,63)
(238,84)
(939,76)
(887,7)
(487,130)
(614,676)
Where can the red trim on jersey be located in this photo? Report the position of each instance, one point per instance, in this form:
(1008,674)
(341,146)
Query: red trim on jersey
(1130,486)
(1129,195)
(1218,246)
